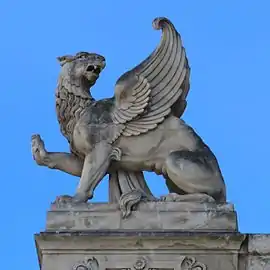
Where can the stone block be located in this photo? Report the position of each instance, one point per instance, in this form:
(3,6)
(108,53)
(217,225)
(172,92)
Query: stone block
(138,250)
(185,216)
(259,252)
(157,236)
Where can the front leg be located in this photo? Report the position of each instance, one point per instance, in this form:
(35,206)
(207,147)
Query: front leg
(65,162)
(95,167)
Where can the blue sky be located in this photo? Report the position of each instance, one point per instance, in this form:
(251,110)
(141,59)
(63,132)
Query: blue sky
(227,44)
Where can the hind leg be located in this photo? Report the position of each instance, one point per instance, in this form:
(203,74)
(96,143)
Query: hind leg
(195,174)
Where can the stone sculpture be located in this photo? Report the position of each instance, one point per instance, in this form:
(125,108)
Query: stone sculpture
(137,130)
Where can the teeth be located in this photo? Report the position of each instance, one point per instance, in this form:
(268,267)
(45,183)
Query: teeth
(95,67)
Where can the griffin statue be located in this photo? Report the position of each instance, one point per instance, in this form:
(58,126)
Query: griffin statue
(139,129)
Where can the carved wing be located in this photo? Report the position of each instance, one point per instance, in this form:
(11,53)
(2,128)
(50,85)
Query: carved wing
(156,88)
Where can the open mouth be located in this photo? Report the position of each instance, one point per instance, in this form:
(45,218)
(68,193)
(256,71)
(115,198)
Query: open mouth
(94,69)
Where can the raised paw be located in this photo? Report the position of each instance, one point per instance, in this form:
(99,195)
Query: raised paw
(38,150)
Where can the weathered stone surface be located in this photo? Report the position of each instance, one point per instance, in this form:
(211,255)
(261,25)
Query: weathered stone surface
(152,250)
(148,216)
(94,236)
(191,228)
(259,252)
(138,250)
(136,130)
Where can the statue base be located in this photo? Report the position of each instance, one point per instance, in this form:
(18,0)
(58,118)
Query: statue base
(185,216)
(157,236)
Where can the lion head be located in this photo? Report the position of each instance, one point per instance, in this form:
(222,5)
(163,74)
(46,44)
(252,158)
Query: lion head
(83,65)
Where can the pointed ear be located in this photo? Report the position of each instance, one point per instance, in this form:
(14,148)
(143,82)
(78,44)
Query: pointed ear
(59,58)
(64,59)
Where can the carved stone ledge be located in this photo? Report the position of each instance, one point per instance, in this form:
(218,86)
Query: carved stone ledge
(188,216)
(188,263)
(139,250)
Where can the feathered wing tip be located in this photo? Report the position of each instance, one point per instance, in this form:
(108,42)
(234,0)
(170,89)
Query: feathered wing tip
(156,88)
(179,107)
(161,22)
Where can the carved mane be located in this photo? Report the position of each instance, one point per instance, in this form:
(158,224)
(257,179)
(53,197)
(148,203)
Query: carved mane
(69,106)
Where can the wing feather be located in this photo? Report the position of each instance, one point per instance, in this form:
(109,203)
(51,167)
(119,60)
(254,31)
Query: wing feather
(156,88)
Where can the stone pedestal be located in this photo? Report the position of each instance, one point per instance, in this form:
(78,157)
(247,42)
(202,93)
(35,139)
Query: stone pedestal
(183,216)
(158,236)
